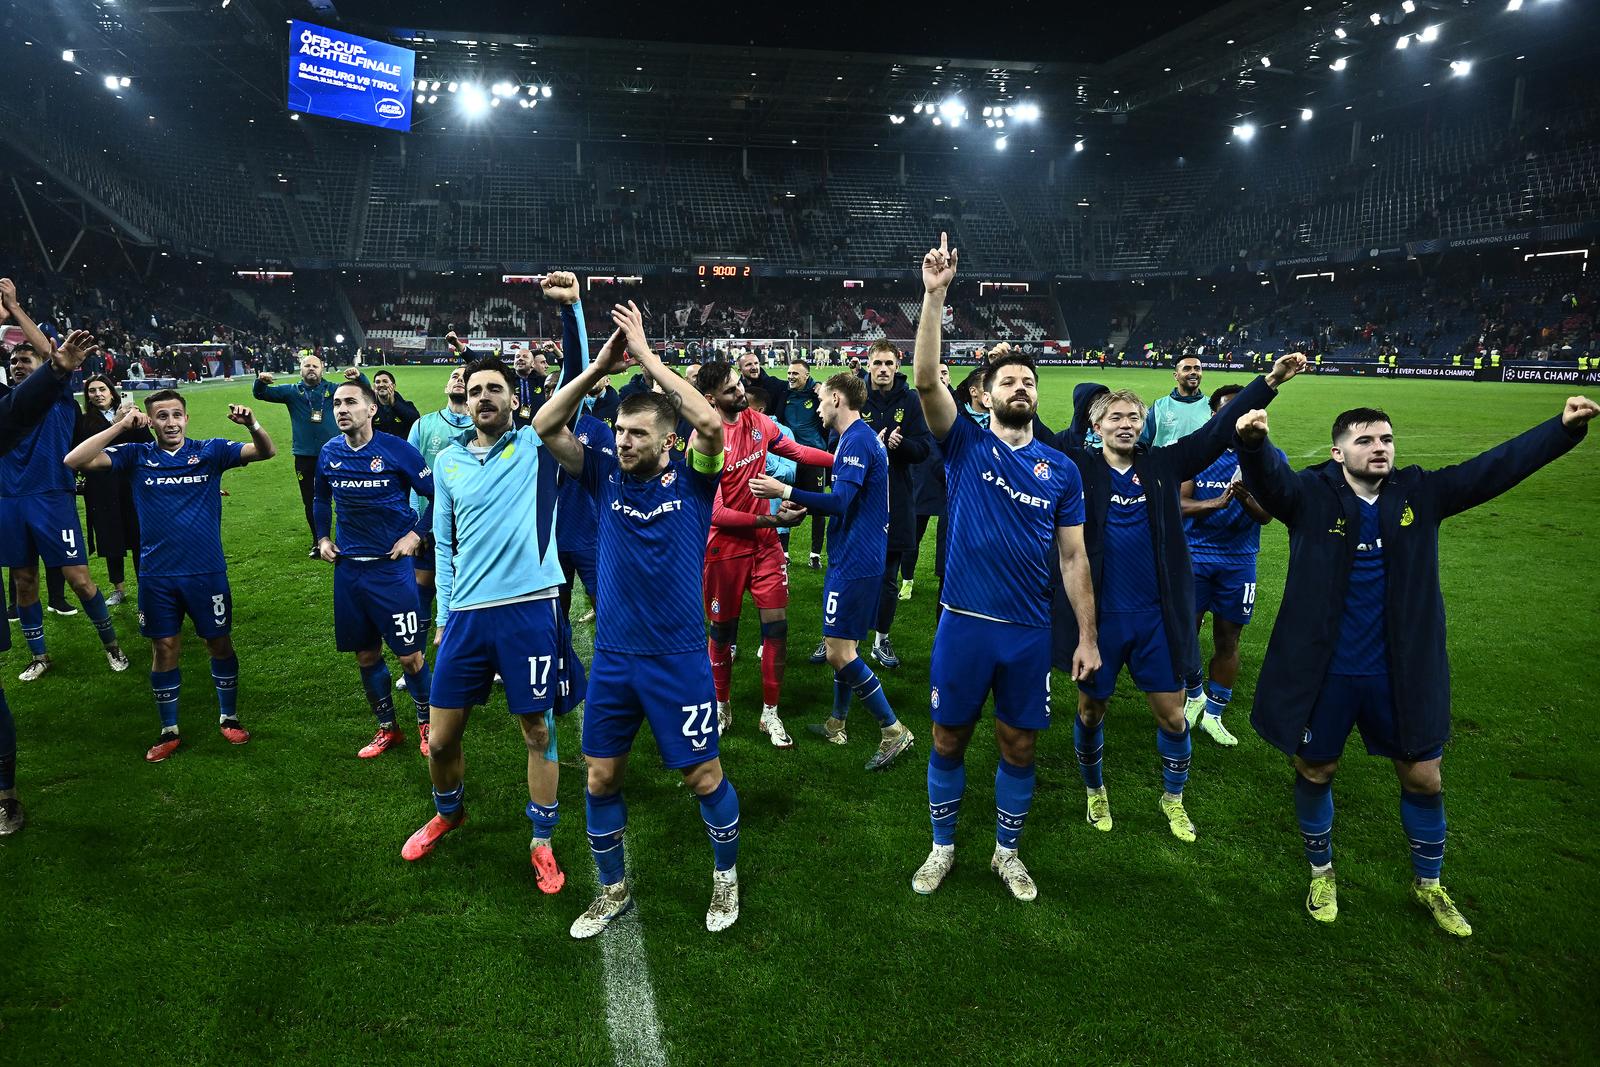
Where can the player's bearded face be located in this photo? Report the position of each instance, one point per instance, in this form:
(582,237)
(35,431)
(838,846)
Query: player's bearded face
(731,398)
(523,362)
(1119,427)
(489,400)
(384,388)
(1189,376)
(641,444)
(1013,400)
(1367,450)
(455,390)
(311,370)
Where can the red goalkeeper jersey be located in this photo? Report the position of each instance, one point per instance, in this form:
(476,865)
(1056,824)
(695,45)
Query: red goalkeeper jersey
(745,442)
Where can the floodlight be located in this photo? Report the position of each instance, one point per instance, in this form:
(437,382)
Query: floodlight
(1339,33)
(1338,64)
(1513,5)
(473,102)
(1408,6)
(111,82)
(951,108)
(453,86)
(68,56)
(1305,114)
(1375,18)
(1461,67)
(1266,61)
(1028,112)
(1000,144)
(1077,146)
(1404,42)
(1429,35)
(1244,132)
(544,91)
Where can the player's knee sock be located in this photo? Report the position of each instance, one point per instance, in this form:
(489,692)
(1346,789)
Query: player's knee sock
(420,686)
(1013,796)
(31,616)
(1313,807)
(1175,750)
(1217,698)
(544,818)
(1089,741)
(841,697)
(721,667)
(1191,686)
(607,817)
(1422,814)
(375,680)
(947,780)
(774,656)
(225,676)
(165,685)
(720,811)
(859,677)
(448,803)
(100,615)
(8,746)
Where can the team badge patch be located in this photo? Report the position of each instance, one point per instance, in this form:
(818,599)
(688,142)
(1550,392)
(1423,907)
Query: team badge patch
(583,438)
(377,464)
(716,606)
(193,460)
(1041,471)
(1407,517)
(755,435)
(1136,480)
(668,478)
(935,698)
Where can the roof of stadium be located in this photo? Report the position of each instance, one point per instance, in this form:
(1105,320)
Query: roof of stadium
(1176,75)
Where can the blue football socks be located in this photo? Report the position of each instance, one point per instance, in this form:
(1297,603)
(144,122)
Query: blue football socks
(1313,807)
(165,685)
(100,615)
(1013,796)
(1175,750)
(947,780)
(1217,698)
(420,686)
(225,676)
(31,617)
(448,803)
(1422,815)
(859,677)
(544,818)
(375,680)
(720,811)
(1089,741)
(607,817)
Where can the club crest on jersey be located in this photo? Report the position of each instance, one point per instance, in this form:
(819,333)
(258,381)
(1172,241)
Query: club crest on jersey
(668,478)
(193,460)
(755,435)
(377,464)
(1407,517)
(716,606)
(1136,480)
(900,415)
(935,698)
(1041,471)
(583,438)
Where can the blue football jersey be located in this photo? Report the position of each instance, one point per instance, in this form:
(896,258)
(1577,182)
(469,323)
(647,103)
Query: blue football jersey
(370,487)
(575,506)
(34,465)
(178,496)
(1128,576)
(1226,535)
(1363,647)
(1004,508)
(858,540)
(650,553)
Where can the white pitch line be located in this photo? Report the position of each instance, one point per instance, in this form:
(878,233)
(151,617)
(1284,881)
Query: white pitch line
(631,1019)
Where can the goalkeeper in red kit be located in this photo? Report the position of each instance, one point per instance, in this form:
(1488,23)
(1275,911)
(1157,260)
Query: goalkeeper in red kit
(743,552)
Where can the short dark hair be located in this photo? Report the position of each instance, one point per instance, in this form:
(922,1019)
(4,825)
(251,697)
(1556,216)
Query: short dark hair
(163,395)
(1357,417)
(712,376)
(366,390)
(1221,393)
(1184,359)
(973,380)
(660,405)
(1010,359)
(757,397)
(385,374)
(491,365)
(850,388)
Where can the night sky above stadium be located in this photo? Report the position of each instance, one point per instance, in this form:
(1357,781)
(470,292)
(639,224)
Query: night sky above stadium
(1022,29)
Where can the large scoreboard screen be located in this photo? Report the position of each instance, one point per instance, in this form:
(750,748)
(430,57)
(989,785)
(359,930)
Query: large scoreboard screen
(708,269)
(341,76)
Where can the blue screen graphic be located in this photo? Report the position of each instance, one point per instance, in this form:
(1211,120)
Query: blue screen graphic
(342,76)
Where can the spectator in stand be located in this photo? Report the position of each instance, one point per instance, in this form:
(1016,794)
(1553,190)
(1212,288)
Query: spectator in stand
(396,415)
(107,498)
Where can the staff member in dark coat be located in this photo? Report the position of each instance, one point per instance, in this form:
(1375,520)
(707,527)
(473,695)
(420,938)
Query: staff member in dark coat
(1359,640)
(396,414)
(107,497)
(929,494)
(1143,579)
(894,411)
(310,404)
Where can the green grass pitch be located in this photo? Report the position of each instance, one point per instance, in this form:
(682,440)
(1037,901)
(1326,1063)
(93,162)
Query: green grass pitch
(250,905)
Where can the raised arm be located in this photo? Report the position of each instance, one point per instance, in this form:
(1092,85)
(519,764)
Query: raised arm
(562,287)
(263,389)
(1265,470)
(691,404)
(260,446)
(1079,584)
(1484,477)
(1195,452)
(553,421)
(13,309)
(938,271)
(90,455)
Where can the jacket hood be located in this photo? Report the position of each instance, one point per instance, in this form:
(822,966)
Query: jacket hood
(897,389)
(1083,395)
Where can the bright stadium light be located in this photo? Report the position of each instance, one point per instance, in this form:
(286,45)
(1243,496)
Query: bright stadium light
(1266,61)
(533,90)
(1375,18)
(988,111)
(111,82)
(1338,64)
(1077,146)
(495,102)
(433,98)
(473,102)
(1000,143)
(937,121)
(68,56)
(1513,5)
(1408,6)
(503,89)
(453,86)
(544,90)
(916,109)
(1339,33)
(952,108)
(338,338)
(422,98)
(1244,132)
(1429,35)
(1404,42)
(126,81)
(1461,67)
(1305,114)
(434,87)
(1027,112)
